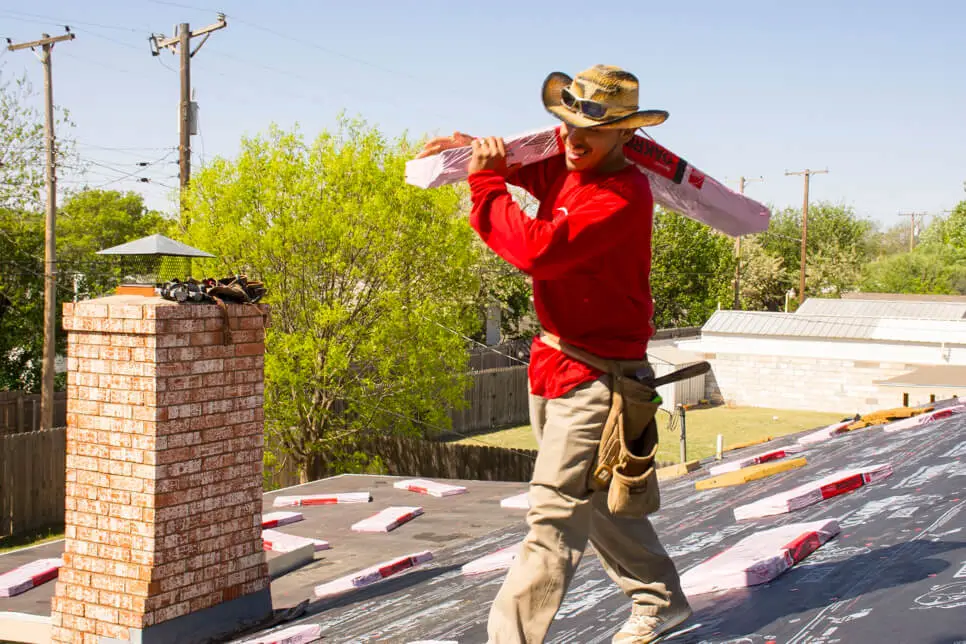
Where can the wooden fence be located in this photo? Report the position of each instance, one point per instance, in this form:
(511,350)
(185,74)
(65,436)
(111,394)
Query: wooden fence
(514,353)
(430,459)
(20,412)
(32,473)
(497,398)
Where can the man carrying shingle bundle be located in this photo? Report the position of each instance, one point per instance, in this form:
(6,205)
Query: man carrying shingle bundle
(588,251)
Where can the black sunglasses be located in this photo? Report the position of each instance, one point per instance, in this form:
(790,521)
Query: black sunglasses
(590,109)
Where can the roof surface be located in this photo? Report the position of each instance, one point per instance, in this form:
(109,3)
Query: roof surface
(896,572)
(928,310)
(155,245)
(666,352)
(831,327)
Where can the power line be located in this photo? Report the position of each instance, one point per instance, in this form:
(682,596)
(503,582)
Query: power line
(115,41)
(122,149)
(431,82)
(131,174)
(98,63)
(59,21)
(466,337)
(306,43)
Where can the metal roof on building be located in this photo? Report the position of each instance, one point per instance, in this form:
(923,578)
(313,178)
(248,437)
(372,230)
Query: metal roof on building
(830,327)
(670,354)
(904,297)
(875,308)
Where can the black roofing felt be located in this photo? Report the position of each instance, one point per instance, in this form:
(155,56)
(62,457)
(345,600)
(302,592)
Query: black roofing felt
(896,573)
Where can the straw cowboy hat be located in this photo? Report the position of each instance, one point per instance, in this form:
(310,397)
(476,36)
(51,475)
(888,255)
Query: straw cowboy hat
(603,96)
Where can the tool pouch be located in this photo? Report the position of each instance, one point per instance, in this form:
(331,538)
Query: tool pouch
(625,459)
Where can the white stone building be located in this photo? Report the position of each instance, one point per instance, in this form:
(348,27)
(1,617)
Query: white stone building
(835,355)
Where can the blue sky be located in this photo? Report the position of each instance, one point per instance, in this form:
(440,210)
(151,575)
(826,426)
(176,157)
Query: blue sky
(872,90)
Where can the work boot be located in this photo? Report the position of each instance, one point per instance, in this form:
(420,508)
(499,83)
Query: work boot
(644,627)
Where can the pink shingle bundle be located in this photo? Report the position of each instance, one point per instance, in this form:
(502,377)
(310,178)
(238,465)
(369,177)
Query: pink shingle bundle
(451,165)
(276,541)
(518,502)
(303,634)
(756,459)
(432,488)
(676,184)
(924,419)
(813,492)
(825,433)
(20,580)
(499,560)
(372,575)
(387,520)
(758,558)
(321,499)
(277,519)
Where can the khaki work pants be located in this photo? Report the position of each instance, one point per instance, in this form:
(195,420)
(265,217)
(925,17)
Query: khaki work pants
(564,514)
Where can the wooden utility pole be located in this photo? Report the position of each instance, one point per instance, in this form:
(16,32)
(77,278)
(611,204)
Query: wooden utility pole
(737,303)
(181,44)
(46,43)
(912,226)
(807,173)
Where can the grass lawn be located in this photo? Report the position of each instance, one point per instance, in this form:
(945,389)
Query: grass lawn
(738,425)
(22,541)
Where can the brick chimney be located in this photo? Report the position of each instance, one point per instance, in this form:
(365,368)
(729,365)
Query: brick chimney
(164,473)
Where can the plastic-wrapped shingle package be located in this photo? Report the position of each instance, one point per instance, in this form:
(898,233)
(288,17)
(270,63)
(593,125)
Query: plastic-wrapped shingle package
(758,558)
(676,184)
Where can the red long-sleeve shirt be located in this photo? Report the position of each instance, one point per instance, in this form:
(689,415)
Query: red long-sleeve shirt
(588,251)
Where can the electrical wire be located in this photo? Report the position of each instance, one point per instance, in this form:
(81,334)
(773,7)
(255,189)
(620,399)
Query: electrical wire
(70,22)
(138,171)
(466,337)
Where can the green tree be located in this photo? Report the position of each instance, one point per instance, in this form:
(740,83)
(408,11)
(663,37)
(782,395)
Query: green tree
(891,241)
(934,235)
(953,227)
(23,147)
(692,271)
(90,220)
(764,279)
(504,285)
(937,265)
(21,300)
(22,162)
(921,271)
(93,220)
(363,271)
(839,244)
